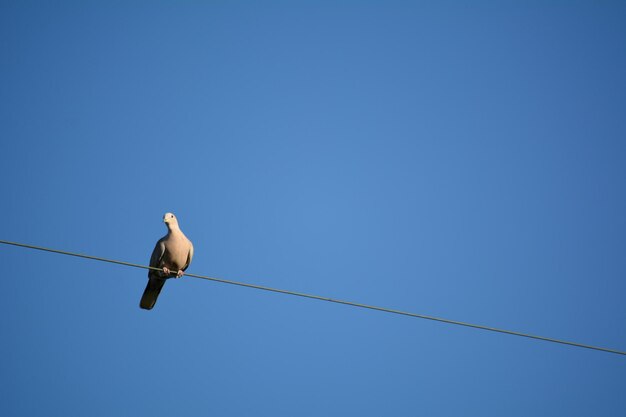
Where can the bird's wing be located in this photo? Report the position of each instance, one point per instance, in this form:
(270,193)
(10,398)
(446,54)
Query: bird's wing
(157,253)
(189,256)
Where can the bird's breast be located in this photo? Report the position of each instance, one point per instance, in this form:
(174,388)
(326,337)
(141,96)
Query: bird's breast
(175,256)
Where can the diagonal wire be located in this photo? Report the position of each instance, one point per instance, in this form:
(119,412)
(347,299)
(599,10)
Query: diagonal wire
(332,300)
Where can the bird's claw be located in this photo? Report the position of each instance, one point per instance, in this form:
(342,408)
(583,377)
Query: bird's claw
(179,274)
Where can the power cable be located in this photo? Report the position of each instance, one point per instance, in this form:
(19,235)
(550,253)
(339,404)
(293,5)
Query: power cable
(332,300)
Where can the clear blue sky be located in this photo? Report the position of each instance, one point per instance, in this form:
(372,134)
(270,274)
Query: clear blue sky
(462,161)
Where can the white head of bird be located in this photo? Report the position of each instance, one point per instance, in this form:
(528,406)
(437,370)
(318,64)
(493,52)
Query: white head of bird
(170,220)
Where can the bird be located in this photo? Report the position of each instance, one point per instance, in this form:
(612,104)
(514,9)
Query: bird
(172,255)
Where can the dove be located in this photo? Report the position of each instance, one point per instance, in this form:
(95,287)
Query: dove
(172,254)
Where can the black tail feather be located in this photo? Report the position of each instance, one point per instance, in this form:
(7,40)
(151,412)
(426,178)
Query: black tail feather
(151,293)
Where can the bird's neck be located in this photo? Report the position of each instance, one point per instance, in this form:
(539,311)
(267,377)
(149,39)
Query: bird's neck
(173,228)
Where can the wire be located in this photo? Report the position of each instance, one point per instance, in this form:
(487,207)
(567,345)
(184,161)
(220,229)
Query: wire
(332,300)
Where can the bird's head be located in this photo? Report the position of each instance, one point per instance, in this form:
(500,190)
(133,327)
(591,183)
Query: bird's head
(170,220)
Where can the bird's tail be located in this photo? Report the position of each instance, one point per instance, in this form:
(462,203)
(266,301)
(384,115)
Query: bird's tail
(151,293)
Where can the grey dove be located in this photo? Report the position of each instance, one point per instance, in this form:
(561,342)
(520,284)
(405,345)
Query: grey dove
(172,255)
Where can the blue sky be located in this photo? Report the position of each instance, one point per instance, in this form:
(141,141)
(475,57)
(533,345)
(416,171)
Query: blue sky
(462,161)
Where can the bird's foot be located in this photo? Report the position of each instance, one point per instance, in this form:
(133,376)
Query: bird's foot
(180,273)
(166,271)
